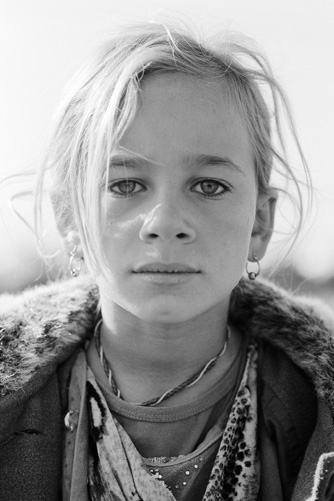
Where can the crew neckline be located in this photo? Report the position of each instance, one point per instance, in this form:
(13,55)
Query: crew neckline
(173,412)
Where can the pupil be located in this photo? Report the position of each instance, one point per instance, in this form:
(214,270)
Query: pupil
(126,187)
(209,187)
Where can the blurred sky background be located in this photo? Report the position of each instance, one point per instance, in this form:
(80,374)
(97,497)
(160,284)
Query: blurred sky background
(42,43)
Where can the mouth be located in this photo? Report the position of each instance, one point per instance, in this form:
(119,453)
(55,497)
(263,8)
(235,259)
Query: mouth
(162,268)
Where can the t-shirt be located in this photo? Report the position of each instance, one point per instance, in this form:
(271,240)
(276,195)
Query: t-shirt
(178,443)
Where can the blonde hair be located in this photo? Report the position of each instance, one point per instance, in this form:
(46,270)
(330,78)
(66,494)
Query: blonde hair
(102,100)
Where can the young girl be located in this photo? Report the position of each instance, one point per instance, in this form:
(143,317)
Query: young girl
(161,373)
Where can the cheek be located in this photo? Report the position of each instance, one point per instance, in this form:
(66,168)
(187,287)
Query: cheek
(236,222)
(122,227)
(231,236)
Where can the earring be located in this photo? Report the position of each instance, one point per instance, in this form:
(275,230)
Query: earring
(75,263)
(253,274)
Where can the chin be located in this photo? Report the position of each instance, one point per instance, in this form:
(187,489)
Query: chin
(165,315)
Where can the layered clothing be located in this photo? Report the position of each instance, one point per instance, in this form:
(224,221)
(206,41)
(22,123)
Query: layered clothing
(44,330)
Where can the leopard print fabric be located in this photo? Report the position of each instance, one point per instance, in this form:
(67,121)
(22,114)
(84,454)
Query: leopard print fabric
(236,472)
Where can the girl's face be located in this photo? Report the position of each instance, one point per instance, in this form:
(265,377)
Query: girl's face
(181,204)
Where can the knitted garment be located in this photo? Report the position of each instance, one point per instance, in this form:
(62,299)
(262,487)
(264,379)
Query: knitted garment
(116,470)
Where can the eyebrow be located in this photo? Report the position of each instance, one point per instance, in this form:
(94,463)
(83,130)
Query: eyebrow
(212,160)
(199,160)
(133,162)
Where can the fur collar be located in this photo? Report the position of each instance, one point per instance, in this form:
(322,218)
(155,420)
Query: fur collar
(41,327)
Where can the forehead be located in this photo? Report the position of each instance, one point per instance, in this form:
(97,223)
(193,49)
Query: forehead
(183,114)
(161,91)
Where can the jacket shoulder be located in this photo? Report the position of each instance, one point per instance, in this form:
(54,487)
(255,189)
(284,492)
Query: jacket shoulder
(40,328)
(301,328)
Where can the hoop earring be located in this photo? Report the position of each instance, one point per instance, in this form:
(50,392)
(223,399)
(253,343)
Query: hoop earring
(75,263)
(253,274)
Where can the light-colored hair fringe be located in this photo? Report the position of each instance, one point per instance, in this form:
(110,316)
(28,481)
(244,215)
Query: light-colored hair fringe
(102,100)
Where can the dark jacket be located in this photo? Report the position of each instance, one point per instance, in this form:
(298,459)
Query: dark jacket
(42,329)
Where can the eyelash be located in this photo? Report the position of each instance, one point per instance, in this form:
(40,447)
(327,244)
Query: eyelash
(219,184)
(116,184)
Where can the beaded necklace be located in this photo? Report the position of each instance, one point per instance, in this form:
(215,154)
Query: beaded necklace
(155,401)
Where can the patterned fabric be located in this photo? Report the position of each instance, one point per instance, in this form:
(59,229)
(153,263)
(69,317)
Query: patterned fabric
(117,472)
(115,467)
(236,473)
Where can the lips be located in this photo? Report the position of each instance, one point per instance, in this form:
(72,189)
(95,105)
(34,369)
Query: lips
(165,268)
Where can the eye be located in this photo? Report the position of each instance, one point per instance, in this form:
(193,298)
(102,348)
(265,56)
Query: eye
(125,187)
(211,188)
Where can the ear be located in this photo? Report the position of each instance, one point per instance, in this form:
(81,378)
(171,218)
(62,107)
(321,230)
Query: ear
(72,240)
(263,224)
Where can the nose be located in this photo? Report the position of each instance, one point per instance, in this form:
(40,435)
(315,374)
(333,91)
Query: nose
(167,223)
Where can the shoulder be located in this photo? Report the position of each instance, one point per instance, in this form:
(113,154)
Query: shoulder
(40,328)
(302,329)
(263,300)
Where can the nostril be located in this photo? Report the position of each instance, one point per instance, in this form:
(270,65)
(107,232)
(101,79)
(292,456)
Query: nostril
(181,236)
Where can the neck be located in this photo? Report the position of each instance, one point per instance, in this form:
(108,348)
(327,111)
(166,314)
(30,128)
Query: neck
(148,359)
